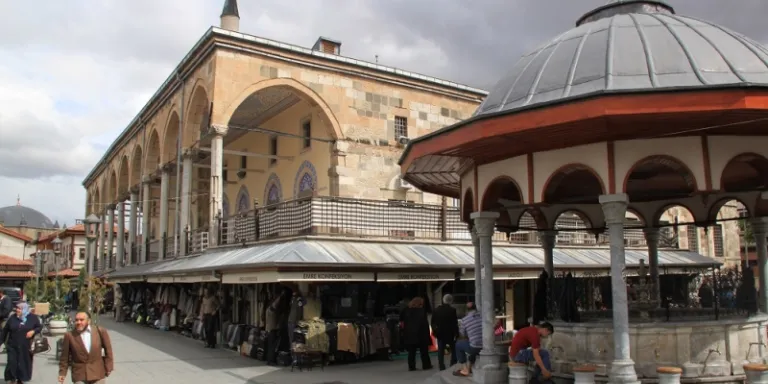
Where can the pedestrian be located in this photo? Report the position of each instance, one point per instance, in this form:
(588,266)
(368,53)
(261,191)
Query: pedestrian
(526,347)
(6,308)
(471,331)
(82,350)
(445,327)
(208,314)
(16,335)
(416,333)
(272,326)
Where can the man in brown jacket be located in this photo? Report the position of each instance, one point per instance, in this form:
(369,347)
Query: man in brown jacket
(83,352)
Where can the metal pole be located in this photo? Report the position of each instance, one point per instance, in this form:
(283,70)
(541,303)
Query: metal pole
(56,265)
(37,274)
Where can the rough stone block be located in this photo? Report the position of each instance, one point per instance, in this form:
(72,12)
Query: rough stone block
(716,368)
(283,73)
(691,370)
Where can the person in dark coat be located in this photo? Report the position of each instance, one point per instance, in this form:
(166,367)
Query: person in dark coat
(445,327)
(17,336)
(416,333)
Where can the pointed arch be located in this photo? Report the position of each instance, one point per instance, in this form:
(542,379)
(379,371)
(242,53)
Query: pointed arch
(243,200)
(305,180)
(137,156)
(123,178)
(301,90)
(225,207)
(273,190)
(196,114)
(170,138)
(152,160)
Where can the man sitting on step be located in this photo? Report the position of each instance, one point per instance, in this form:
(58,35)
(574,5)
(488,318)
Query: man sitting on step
(526,347)
(471,331)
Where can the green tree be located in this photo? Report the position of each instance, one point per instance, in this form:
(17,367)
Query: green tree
(746,232)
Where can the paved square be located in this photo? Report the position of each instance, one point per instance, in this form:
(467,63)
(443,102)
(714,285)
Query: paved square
(144,355)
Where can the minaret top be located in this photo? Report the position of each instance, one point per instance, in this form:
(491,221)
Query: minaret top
(230,16)
(18,200)
(618,7)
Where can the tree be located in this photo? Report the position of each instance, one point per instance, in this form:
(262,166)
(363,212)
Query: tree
(746,232)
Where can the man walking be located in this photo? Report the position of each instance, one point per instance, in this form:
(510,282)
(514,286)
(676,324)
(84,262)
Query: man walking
(445,327)
(208,311)
(82,351)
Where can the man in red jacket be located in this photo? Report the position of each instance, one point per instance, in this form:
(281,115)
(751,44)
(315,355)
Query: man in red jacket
(526,346)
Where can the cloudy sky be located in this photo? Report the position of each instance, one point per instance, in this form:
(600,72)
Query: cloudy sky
(74,73)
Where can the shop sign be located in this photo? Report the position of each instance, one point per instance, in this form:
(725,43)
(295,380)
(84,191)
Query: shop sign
(506,275)
(415,276)
(326,276)
(195,278)
(249,278)
(160,279)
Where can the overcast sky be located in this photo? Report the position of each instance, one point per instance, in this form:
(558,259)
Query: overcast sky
(74,73)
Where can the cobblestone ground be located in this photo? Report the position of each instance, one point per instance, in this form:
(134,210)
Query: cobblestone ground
(143,355)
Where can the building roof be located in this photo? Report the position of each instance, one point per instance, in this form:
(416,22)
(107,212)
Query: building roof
(65,273)
(627,47)
(362,254)
(21,216)
(15,234)
(6,260)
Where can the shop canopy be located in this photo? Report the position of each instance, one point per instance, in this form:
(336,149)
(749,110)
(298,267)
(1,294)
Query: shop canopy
(313,254)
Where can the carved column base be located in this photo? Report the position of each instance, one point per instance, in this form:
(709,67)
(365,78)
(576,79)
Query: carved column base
(490,369)
(623,372)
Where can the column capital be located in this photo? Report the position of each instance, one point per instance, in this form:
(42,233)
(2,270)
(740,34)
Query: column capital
(167,167)
(219,129)
(189,153)
(485,222)
(614,207)
(548,239)
(652,234)
(473,234)
(147,179)
(111,207)
(759,225)
(134,190)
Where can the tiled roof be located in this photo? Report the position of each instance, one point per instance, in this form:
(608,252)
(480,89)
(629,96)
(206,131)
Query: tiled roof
(17,275)
(69,272)
(15,234)
(9,260)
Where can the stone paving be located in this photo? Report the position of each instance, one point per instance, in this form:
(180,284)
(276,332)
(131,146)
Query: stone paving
(144,355)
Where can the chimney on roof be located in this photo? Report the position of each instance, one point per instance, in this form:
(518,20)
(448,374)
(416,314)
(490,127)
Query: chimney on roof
(230,16)
(326,45)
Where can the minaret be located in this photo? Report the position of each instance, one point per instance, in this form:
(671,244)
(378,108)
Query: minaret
(230,16)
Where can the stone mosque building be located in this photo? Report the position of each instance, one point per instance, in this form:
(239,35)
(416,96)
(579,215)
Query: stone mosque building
(26,221)
(245,122)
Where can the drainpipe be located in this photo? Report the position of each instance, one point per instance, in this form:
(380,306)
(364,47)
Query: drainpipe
(177,216)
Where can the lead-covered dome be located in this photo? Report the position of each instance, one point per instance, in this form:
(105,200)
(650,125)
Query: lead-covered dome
(630,46)
(21,216)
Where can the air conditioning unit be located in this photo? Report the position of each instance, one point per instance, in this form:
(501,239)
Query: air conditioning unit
(403,140)
(403,184)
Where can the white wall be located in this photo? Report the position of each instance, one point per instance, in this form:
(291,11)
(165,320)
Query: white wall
(13,247)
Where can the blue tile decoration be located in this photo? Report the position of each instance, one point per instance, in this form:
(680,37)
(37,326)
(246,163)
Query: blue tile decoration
(273,190)
(243,200)
(306,178)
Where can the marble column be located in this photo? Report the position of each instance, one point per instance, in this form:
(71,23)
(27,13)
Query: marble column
(165,183)
(120,236)
(110,238)
(132,223)
(146,206)
(615,211)
(217,183)
(186,191)
(101,247)
(489,367)
(652,240)
(478,267)
(760,231)
(548,241)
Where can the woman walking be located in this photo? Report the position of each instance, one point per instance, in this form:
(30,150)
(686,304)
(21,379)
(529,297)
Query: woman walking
(17,336)
(416,333)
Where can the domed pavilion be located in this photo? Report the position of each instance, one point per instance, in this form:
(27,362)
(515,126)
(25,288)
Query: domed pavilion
(27,221)
(633,111)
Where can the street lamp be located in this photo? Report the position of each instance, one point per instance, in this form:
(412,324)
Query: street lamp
(56,252)
(91,232)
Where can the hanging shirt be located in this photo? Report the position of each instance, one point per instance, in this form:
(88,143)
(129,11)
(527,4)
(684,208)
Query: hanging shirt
(86,337)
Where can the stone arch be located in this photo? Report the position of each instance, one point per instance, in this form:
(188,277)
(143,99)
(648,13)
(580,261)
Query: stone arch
(136,168)
(640,217)
(301,90)
(745,172)
(659,177)
(152,162)
(124,176)
(273,190)
(111,188)
(225,207)
(467,206)
(502,187)
(197,113)
(663,209)
(170,138)
(531,219)
(714,208)
(97,204)
(573,184)
(243,200)
(305,180)
(583,217)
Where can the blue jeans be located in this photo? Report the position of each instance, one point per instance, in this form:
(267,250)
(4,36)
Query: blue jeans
(465,351)
(526,355)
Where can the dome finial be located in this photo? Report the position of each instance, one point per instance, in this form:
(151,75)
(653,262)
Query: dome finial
(618,7)
(18,200)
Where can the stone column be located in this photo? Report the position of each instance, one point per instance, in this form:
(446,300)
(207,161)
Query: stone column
(217,184)
(489,367)
(615,211)
(146,205)
(186,190)
(760,230)
(652,240)
(165,183)
(110,238)
(132,223)
(101,247)
(548,240)
(478,268)
(120,235)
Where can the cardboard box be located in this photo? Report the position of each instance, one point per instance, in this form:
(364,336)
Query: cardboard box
(42,308)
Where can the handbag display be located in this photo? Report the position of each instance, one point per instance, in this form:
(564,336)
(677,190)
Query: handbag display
(39,345)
